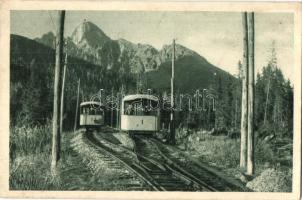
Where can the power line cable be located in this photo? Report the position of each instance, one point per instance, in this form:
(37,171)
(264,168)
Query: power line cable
(54,26)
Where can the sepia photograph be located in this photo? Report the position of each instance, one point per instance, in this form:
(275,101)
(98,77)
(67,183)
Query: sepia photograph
(153,100)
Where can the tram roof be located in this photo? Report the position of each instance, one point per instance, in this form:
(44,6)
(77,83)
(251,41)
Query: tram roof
(140,96)
(90,103)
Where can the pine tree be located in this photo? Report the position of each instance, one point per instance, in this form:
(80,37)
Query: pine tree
(275,115)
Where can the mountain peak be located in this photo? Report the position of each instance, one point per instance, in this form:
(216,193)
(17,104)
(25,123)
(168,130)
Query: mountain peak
(48,39)
(180,51)
(89,34)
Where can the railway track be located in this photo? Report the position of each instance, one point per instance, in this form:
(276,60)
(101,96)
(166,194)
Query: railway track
(149,161)
(165,174)
(163,177)
(195,169)
(149,170)
(120,159)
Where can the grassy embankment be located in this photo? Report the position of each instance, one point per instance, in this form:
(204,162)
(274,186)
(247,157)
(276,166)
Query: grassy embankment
(30,150)
(30,157)
(272,173)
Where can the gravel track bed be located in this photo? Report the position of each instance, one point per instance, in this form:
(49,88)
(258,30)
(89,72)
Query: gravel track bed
(102,165)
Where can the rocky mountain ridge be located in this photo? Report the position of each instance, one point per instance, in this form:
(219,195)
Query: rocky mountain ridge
(90,43)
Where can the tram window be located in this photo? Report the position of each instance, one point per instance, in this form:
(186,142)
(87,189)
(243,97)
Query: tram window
(84,110)
(98,111)
(129,110)
(91,111)
(140,107)
(87,111)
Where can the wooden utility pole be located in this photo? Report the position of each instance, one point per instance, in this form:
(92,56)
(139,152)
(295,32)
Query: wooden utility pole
(172,125)
(236,111)
(77,106)
(62,94)
(111,118)
(55,153)
(250,132)
(120,105)
(244,105)
(138,83)
(117,110)
(266,101)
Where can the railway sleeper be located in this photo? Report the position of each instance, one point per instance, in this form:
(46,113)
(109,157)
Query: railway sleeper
(196,183)
(164,184)
(133,185)
(178,171)
(132,166)
(138,189)
(171,182)
(157,173)
(162,176)
(125,176)
(177,188)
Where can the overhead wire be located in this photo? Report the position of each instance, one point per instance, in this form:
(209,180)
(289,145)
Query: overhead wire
(54,25)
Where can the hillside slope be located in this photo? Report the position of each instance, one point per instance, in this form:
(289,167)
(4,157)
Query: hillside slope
(31,79)
(191,73)
(90,43)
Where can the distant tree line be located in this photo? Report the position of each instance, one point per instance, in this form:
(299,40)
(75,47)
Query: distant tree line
(274,101)
(273,104)
(31,92)
(31,88)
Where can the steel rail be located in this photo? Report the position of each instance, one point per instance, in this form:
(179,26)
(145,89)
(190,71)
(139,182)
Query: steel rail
(206,170)
(158,164)
(178,169)
(138,170)
(163,162)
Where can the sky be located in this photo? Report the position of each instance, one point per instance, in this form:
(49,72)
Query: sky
(217,36)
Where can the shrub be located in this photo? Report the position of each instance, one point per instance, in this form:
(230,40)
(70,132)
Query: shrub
(216,149)
(30,139)
(272,180)
(31,172)
(30,147)
(264,153)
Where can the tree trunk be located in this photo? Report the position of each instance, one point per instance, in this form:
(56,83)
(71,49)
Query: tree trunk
(62,95)
(244,106)
(117,119)
(172,128)
(111,117)
(266,101)
(236,112)
(55,153)
(250,133)
(77,106)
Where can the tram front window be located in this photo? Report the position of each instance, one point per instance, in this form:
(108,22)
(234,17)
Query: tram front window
(139,108)
(89,110)
(129,110)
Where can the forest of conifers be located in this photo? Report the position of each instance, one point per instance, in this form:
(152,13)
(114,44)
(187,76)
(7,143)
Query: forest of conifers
(31,91)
